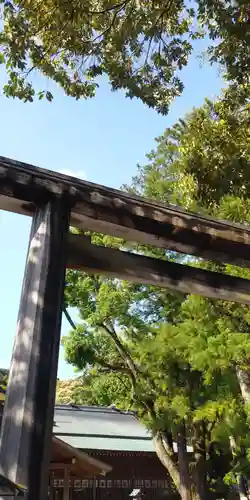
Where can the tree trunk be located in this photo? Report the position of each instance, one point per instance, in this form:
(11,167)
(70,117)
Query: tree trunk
(179,473)
(200,471)
(243,377)
(185,480)
(167,458)
(241,479)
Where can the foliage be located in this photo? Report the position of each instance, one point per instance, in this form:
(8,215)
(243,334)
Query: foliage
(177,359)
(168,373)
(94,389)
(3,375)
(3,386)
(140,45)
(67,391)
(203,159)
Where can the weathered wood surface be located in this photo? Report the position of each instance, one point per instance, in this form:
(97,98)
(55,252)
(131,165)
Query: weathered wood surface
(82,255)
(119,214)
(29,407)
(66,490)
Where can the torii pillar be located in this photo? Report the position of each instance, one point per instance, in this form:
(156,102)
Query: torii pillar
(29,407)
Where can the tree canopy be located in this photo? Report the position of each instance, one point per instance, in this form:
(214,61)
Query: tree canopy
(140,45)
(181,362)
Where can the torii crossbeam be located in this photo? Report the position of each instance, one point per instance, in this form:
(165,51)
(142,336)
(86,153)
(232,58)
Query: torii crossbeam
(56,201)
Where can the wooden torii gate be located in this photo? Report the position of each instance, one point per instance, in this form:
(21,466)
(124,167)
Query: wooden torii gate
(56,201)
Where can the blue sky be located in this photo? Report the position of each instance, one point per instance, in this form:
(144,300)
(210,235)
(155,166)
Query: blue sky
(101,140)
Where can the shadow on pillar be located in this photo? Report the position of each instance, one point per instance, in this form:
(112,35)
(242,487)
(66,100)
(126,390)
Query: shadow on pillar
(28,412)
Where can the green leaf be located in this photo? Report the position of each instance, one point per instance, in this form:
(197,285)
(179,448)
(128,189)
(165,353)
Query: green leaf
(49,96)
(140,46)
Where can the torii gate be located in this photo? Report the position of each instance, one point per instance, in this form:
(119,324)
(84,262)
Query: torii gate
(55,202)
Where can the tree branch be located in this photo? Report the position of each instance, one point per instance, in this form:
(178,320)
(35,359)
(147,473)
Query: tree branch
(109,9)
(133,370)
(113,368)
(122,350)
(165,455)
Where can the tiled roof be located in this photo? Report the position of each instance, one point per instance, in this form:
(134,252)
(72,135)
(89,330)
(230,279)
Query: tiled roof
(95,428)
(101,429)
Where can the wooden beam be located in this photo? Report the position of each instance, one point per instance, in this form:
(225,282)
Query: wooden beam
(66,487)
(82,255)
(68,453)
(119,214)
(29,406)
(60,465)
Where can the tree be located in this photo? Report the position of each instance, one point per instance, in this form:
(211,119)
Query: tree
(178,360)
(202,163)
(91,388)
(140,45)
(67,391)
(203,158)
(169,372)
